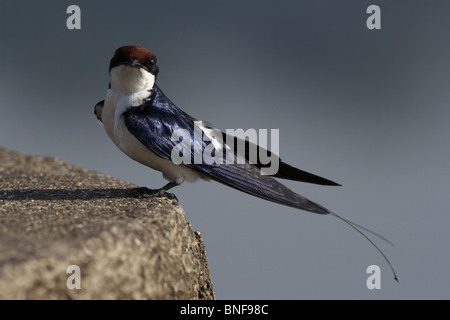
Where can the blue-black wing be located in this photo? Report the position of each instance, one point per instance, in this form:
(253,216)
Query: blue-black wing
(285,171)
(153,124)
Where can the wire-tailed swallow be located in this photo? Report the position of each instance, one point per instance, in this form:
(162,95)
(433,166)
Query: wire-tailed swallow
(141,120)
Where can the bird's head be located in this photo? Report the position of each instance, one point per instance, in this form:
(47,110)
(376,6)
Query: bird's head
(133,69)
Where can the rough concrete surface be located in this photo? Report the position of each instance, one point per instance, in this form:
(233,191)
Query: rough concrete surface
(127,243)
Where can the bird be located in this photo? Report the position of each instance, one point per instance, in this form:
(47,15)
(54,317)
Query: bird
(141,120)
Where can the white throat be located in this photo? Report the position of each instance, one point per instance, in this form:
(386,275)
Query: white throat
(127,80)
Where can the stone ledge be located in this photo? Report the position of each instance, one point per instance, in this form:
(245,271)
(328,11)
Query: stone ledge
(128,245)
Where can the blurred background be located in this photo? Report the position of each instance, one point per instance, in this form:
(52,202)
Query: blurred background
(366,108)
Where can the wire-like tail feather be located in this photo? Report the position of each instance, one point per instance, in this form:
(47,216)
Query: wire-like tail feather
(355,226)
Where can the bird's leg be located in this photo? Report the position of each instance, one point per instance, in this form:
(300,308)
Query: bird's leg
(168,186)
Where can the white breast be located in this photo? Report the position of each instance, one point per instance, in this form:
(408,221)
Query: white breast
(116,103)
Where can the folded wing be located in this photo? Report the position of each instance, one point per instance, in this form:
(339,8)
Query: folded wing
(154,126)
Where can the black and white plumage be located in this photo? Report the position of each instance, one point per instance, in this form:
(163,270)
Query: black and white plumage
(140,120)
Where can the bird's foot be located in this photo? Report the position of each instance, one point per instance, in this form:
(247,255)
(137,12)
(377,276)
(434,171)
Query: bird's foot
(155,193)
(144,191)
(171,196)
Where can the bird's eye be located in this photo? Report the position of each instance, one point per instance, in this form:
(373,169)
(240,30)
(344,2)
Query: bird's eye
(117,56)
(152,62)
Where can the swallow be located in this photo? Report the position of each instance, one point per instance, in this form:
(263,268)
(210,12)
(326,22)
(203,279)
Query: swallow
(140,119)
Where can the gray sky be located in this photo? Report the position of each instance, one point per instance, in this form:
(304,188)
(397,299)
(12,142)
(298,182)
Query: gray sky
(366,108)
